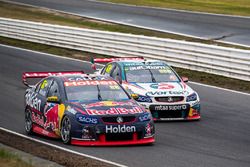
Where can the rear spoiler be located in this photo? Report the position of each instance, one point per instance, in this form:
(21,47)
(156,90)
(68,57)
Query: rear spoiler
(27,75)
(107,60)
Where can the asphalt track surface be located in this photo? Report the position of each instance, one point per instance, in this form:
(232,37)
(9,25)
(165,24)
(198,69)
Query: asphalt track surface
(221,138)
(224,28)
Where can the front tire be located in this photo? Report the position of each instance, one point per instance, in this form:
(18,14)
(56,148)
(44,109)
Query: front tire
(66,130)
(28,122)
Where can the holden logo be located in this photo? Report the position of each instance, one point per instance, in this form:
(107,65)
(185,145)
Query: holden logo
(170,99)
(119,119)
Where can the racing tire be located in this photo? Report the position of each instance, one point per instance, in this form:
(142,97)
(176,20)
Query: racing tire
(66,130)
(28,122)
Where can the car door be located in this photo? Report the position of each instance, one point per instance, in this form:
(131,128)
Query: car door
(36,101)
(52,108)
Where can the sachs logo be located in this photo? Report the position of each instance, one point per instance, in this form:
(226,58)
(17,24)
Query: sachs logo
(161,86)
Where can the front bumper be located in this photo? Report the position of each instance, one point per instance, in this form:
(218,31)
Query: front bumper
(103,142)
(163,112)
(138,133)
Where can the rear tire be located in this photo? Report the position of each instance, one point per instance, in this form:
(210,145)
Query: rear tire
(66,130)
(28,122)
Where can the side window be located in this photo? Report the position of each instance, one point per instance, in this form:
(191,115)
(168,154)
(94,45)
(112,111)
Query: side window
(54,90)
(116,72)
(38,87)
(44,86)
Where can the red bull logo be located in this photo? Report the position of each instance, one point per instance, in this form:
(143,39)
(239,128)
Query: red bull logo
(51,116)
(115,111)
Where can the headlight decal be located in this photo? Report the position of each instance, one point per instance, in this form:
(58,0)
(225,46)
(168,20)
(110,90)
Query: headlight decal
(145,117)
(145,99)
(192,97)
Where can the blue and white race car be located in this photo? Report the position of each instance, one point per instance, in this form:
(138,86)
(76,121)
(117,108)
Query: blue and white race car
(157,86)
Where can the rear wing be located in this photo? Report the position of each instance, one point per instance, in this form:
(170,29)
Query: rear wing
(27,75)
(107,60)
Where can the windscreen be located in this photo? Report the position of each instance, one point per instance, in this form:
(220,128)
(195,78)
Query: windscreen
(150,73)
(94,91)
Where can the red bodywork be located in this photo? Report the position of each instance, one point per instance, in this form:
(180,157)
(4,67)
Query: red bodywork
(102,141)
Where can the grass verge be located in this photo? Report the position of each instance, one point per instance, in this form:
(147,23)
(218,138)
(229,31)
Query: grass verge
(49,16)
(195,76)
(232,7)
(8,159)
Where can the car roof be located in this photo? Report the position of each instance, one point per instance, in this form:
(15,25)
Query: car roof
(140,62)
(85,77)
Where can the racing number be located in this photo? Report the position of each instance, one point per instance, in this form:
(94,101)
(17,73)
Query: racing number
(108,69)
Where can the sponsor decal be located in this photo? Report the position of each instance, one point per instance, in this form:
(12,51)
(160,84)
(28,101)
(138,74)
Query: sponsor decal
(82,78)
(108,103)
(165,71)
(52,119)
(120,129)
(115,111)
(86,119)
(144,117)
(161,86)
(171,108)
(144,99)
(116,87)
(147,67)
(71,110)
(89,82)
(76,79)
(160,93)
(37,119)
(33,101)
(148,130)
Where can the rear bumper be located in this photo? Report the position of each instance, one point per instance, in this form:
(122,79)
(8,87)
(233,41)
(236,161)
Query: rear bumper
(102,141)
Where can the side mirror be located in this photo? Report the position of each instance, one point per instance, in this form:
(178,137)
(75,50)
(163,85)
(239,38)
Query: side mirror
(134,96)
(53,99)
(184,79)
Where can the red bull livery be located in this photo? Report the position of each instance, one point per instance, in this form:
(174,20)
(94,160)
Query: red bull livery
(85,110)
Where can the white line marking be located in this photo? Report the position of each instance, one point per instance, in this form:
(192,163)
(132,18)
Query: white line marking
(127,24)
(210,86)
(61,148)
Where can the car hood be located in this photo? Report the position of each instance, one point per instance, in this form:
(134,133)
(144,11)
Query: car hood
(159,89)
(127,107)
